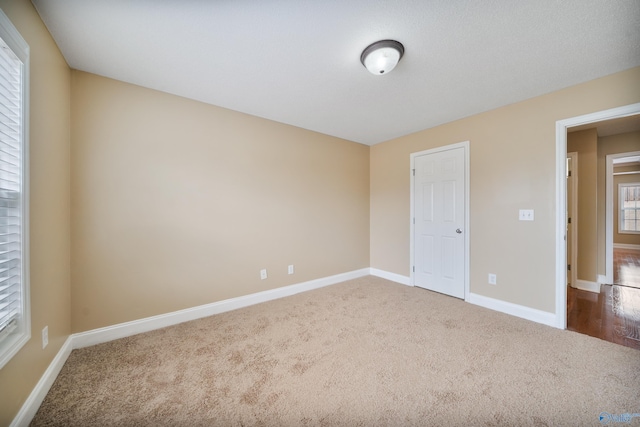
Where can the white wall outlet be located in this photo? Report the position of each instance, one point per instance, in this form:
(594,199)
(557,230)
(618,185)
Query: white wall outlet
(45,337)
(492,279)
(263,274)
(290,269)
(526,215)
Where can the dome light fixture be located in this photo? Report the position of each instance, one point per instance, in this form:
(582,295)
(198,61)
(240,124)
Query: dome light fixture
(382,56)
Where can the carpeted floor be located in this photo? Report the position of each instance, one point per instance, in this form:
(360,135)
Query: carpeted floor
(365,352)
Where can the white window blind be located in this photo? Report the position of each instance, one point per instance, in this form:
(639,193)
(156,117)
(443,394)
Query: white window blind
(14,290)
(10,180)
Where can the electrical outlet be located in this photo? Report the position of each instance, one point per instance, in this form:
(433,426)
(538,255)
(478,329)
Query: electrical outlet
(492,279)
(290,269)
(263,274)
(45,337)
(525,215)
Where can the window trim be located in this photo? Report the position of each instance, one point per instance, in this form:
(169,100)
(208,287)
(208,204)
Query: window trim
(622,185)
(11,345)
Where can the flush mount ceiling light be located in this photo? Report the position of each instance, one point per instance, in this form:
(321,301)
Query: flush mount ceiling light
(382,56)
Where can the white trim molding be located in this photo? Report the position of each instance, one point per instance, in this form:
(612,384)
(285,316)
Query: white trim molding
(574,216)
(561,201)
(586,285)
(626,246)
(35,399)
(122,330)
(517,310)
(398,278)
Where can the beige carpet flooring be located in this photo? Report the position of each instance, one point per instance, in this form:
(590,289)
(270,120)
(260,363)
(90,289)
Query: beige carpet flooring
(366,352)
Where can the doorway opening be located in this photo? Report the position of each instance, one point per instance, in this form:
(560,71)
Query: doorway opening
(603,302)
(561,156)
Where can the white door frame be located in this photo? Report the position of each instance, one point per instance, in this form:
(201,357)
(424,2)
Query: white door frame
(465,145)
(610,212)
(574,218)
(561,201)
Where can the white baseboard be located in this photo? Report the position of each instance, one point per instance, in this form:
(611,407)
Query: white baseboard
(626,246)
(33,402)
(521,311)
(586,285)
(98,336)
(398,278)
(122,330)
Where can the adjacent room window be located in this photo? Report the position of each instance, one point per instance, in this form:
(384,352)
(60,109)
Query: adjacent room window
(629,207)
(15,327)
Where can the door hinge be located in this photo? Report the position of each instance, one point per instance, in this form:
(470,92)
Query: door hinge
(414,268)
(569,267)
(569,221)
(569,173)
(414,172)
(414,220)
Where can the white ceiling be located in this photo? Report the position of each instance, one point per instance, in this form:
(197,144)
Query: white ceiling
(298,61)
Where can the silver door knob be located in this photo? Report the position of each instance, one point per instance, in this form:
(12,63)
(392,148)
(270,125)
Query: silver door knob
(458,231)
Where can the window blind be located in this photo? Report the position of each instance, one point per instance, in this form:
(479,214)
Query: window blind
(11,293)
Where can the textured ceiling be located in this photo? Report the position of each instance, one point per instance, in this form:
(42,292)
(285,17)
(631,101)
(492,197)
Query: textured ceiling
(298,61)
(612,126)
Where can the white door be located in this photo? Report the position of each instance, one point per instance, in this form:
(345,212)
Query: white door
(439,216)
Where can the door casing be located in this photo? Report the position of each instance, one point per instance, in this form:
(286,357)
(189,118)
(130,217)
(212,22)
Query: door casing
(573,209)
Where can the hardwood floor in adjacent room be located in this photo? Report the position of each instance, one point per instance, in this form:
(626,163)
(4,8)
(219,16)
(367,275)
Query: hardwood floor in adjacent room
(626,267)
(613,314)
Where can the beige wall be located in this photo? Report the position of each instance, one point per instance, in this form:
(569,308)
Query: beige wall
(176,203)
(512,167)
(165,191)
(585,143)
(50,228)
